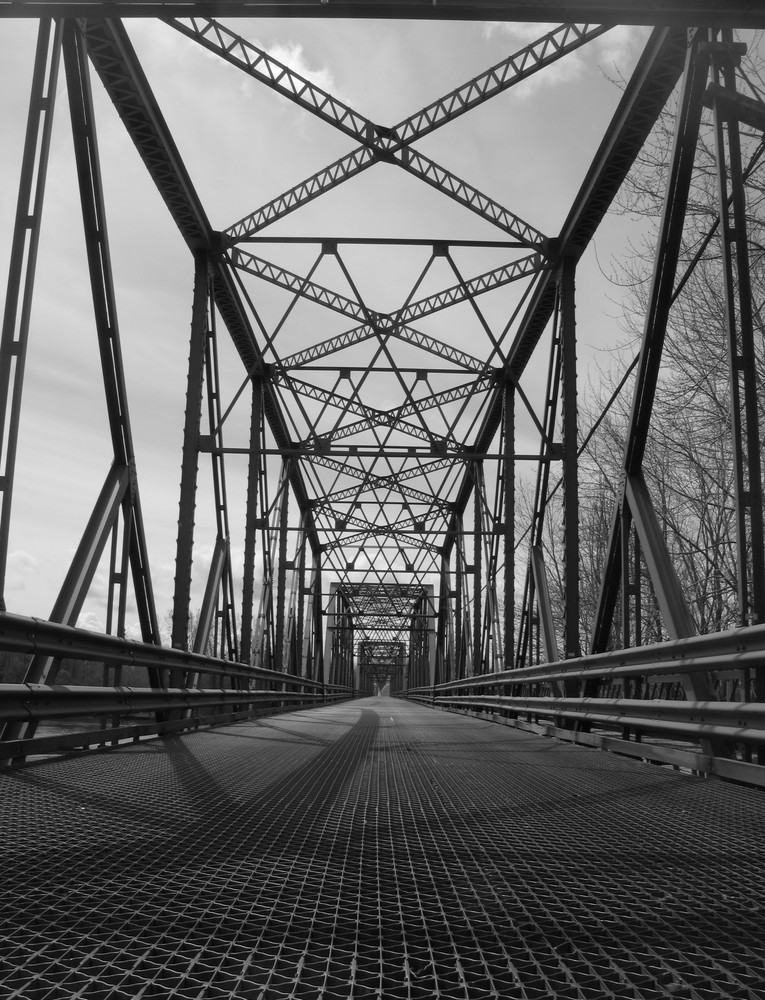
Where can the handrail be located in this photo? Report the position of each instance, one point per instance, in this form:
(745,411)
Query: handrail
(39,701)
(734,649)
(679,732)
(732,720)
(121,713)
(20,634)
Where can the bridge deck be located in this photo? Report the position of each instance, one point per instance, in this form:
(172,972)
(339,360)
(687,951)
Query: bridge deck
(377,848)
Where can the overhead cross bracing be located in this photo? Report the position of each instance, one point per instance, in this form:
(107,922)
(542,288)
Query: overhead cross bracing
(389,278)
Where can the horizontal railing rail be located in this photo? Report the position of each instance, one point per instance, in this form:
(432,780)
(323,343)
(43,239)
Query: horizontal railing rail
(110,714)
(742,648)
(682,732)
(22,702)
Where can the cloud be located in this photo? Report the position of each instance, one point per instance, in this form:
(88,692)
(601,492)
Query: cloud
(293,56)
(90,621)
(615,48)
(133,631)
(620,44)
(520,32)
(22,568)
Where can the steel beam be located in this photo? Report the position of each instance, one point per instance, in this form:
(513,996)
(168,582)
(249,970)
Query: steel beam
(281,575)
(190,457)
(22,267)
(508,526)
(77,582)
(114,58)
(254,473)
(668,248)
(657,314)
(643,100)
(715,13)
(742,360)
(208,610)
(104,304)
(478,501)
(570,443)
(669,593)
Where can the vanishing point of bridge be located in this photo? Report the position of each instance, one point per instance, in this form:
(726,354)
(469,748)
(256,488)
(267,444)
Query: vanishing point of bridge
(442,673)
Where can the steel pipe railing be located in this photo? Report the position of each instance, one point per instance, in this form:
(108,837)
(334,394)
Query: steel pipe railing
(19,634)
(742,648)
(658,729)
(252,690)
(22,702)
(730,720)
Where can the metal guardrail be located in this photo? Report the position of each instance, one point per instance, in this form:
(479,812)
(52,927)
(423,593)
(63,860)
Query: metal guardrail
(120,713)
(677,732)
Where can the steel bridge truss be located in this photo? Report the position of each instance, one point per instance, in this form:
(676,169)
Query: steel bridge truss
(383,536)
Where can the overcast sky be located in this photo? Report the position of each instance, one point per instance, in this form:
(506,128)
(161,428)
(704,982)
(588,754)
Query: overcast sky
(528,148)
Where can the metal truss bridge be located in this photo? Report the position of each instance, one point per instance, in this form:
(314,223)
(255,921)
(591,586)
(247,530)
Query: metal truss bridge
(410,689)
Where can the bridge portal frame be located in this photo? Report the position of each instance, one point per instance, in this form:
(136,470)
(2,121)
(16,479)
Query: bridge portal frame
(469,621)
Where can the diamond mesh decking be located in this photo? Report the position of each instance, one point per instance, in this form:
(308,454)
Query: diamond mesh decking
(377,848)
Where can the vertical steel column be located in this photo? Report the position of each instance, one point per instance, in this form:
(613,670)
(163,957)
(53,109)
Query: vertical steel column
(459,603)
(265,638)
(281,571)
(308,657)
(442,667)
(118,577)
(226,617)
(430,627)
(254,472)
(477,568)
(571,608)
(22,268)
(630,580)
(741,354)
(528,642)
(421,656)
(318,622)
(330,637)
(299,584)
(508,471)
(638,584)
(190,459)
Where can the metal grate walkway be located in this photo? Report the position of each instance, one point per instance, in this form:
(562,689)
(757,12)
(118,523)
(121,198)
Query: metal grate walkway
(377,848)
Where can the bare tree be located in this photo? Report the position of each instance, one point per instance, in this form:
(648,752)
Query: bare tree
(689,456)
